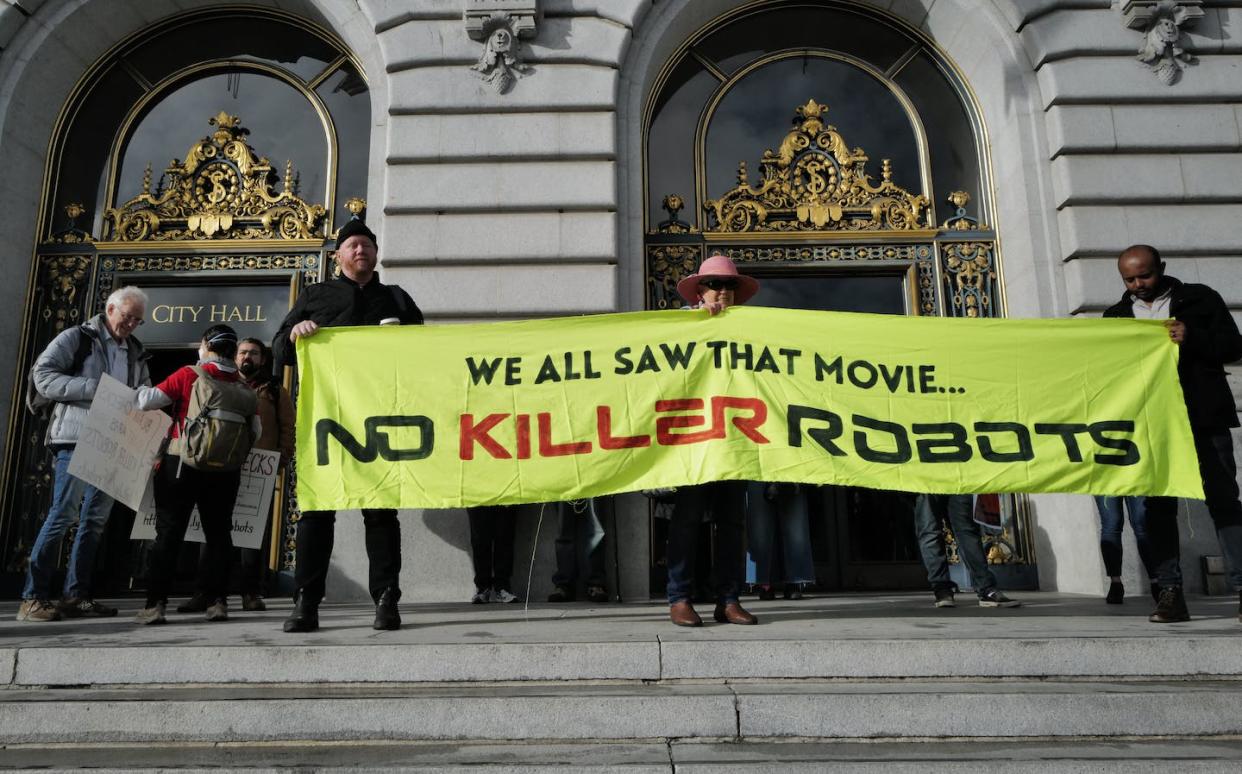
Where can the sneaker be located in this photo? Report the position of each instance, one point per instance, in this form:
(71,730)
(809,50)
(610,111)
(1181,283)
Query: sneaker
(1171,607)
(151,615)
(85,608)
(1116,593)
(563,594)
(218,610)
(505,596)
(944,598)
(597,594)
(253,603)
(195,604)
(37,610)
(994,598)
(481,597)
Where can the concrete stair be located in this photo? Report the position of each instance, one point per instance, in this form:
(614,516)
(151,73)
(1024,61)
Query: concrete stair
(865,681)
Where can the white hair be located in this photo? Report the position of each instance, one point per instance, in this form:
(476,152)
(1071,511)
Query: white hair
(127,293)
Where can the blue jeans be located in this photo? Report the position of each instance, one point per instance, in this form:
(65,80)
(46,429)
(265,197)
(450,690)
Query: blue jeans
(580,544)
(790,515)
(929,512)
(72,500)
(726,500)
(1111,520)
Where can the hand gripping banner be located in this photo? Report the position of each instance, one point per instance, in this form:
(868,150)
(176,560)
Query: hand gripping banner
(545,410)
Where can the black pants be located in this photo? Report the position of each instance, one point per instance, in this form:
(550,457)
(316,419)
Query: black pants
(492,529)
(1220,489)
(251,563)
(178,488)
(316,532)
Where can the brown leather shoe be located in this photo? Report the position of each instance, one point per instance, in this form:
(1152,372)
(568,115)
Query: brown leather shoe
(682,613)
(732,612)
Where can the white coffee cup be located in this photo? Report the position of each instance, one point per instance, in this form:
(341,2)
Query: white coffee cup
(390,321)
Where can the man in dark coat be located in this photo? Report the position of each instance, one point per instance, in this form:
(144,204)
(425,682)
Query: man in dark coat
(1200,324)
(357,297)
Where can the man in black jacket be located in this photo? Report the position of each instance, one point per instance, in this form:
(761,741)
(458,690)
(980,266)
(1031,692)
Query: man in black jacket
(1200,323)
(357,297)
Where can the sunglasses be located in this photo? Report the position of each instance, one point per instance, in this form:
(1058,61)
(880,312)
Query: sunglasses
(719,284)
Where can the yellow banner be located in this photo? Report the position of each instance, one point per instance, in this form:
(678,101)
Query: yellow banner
(501,413)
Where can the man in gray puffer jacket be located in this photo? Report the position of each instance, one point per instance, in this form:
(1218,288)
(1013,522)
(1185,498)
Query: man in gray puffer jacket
(59,378)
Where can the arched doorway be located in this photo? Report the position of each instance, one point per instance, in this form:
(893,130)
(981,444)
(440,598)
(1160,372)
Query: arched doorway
(835,152)
(212,175)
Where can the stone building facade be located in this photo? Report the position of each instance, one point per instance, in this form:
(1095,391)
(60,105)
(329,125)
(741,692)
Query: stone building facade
(509,177)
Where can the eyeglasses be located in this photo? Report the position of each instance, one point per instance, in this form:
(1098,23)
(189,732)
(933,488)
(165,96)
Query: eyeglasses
(719,284)
(130,319)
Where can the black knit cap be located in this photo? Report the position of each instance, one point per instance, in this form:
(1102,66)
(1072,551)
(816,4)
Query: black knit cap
(355,227)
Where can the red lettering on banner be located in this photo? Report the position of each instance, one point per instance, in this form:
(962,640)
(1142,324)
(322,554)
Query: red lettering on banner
(603,424)
(749,425)
(523,436)
(549,449)
(472,434)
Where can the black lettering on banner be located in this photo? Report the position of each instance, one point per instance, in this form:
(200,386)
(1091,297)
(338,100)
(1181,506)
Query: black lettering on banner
(678,357)
(1067,431)
(1129,450)
(821,435)
(867,381)
(378,443)
(900,438)
(824,369)
(624,364)
(1024,453)
(484,370)
(955,448)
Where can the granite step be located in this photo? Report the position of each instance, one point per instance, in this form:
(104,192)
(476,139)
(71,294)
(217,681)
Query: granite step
(585,711)
(1132,757)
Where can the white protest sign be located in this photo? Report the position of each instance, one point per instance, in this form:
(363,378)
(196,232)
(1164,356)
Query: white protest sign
(118,444)
(254,503)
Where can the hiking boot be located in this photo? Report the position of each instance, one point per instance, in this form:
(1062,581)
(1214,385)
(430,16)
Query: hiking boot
(85,608)
(387,618)
(765,592)
(793,591)
(505,596)
(994,598)
(597,594)
(253,603)
(195,604)
(151,615)
(218,610)
(38,611)
(1116,593)
(304,618)
(561,594)
(481,597)
(1171,607)
(944,598)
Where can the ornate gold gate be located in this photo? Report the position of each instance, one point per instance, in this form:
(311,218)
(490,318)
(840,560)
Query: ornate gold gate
(218,229)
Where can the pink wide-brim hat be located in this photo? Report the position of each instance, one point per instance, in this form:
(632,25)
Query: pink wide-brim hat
(718,266)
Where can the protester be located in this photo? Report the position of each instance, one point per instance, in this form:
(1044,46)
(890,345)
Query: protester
(580,551)
(67,374)
(716,286)
(778,514)
(357,297)
(492,529)
(1200,324)
(1112,516)
(276,415)
(930,512)
(212,398)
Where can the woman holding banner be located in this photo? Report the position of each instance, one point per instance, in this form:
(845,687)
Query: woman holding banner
(715,287)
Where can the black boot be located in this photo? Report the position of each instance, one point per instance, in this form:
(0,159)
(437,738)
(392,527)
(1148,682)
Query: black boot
(305,616)
(1171,608)
(386,616)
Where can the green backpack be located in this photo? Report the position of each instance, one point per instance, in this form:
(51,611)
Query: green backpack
(216,435)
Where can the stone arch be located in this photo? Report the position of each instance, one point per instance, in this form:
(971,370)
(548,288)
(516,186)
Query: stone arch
(984,47)
(39,68)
